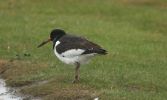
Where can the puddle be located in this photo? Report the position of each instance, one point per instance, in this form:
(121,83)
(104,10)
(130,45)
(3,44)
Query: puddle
(7,93)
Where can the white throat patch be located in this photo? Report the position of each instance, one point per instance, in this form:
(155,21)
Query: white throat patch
(57,43)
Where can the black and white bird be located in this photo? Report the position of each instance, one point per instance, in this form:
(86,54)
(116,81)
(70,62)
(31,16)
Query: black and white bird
(73,49)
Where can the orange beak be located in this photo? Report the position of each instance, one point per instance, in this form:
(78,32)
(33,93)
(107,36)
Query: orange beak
(44,42)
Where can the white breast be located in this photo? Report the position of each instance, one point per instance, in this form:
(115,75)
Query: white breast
(73,55)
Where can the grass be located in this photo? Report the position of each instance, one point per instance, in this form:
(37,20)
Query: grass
(133,32)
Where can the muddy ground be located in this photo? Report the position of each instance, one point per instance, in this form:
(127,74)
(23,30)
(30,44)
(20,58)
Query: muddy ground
(12,70)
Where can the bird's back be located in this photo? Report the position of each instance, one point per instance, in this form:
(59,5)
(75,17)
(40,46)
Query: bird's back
(68,42)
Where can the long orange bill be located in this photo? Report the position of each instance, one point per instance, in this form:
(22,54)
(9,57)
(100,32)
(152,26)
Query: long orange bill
(44,42)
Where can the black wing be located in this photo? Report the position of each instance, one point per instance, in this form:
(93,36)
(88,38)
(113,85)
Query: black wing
(68,42)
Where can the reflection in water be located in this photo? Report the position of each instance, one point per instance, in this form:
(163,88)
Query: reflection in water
(5,93)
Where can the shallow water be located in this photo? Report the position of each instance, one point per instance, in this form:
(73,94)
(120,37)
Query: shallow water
(7,93)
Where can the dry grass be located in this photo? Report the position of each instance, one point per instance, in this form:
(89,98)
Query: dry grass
(139,87)
(156,3)
(15,72)
(3,66)
(57,91)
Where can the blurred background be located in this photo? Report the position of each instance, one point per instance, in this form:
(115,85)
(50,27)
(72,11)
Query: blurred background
(133,31)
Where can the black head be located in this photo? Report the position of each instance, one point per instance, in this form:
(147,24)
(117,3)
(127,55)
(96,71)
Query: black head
(56,34)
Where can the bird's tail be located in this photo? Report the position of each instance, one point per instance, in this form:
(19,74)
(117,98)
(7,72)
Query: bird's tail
(96,50)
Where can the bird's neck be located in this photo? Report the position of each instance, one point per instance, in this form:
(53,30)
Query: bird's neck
(56,39)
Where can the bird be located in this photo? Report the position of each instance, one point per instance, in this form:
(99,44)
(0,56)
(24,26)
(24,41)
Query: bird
(74,50)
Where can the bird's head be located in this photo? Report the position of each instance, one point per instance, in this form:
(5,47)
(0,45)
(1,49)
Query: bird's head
(54,36)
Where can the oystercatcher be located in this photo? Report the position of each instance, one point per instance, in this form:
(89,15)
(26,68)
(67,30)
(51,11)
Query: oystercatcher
(73,49)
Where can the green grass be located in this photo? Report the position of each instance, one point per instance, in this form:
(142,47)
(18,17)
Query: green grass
(133,32)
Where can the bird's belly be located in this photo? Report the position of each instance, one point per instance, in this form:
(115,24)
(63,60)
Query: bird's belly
(82,59)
